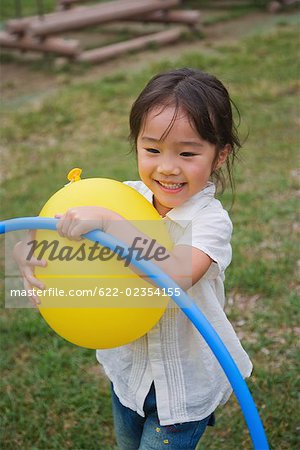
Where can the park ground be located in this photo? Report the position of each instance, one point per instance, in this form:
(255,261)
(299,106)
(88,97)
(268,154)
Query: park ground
(56,116)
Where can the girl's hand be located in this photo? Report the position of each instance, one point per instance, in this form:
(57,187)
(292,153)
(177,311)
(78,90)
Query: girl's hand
(78,221)
(26,267)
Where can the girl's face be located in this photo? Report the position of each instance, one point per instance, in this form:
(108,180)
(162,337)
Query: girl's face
(180,165)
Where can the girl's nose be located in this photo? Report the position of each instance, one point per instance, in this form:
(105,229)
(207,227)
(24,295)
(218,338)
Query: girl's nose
(168,167)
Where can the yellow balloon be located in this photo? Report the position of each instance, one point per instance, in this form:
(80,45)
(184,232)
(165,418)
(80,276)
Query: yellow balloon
(92,298)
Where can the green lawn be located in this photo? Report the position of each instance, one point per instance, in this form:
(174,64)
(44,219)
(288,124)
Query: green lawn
(53,395)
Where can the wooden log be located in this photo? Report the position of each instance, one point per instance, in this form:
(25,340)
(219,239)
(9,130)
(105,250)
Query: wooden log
(93,15)
(189,17)
(19,26)
(56,45)
(110,51)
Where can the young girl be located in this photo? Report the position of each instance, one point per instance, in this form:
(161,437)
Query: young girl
(167,384)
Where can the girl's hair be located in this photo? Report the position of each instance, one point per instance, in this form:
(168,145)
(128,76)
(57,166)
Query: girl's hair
(207,104)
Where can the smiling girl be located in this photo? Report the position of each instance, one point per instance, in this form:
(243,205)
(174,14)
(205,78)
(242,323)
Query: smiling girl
(167,384)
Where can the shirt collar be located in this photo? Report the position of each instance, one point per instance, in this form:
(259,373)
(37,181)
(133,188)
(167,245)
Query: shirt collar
(186,212)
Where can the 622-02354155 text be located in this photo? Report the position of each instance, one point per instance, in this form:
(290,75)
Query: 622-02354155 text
(98,291)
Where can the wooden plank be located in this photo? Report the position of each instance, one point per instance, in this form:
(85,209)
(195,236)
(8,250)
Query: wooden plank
(189,17)
(110,51)
(94,15)
(19,26)
(56,45)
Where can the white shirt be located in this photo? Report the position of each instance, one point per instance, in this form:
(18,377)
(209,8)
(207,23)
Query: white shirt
(188,379)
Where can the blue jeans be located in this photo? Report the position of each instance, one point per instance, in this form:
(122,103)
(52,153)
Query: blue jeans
(134,432)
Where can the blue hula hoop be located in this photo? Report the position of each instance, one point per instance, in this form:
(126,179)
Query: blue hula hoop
(223,356)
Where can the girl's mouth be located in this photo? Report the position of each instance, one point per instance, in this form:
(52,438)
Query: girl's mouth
(170,187)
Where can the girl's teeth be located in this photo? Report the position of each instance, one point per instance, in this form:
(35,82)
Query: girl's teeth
(171,186)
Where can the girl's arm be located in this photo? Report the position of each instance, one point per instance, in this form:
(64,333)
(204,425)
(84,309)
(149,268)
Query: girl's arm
(184,264)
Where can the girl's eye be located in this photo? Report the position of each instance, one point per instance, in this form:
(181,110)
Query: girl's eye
(152,150)
(187,154)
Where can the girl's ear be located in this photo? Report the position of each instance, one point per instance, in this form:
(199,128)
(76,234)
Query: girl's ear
(223,154)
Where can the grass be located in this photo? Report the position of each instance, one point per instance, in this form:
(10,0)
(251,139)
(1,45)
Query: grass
(53,394)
